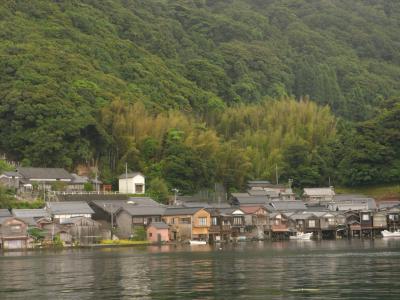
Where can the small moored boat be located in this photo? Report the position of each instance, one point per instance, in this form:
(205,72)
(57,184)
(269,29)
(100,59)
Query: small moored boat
(301,236)
(387,233)
(195,242)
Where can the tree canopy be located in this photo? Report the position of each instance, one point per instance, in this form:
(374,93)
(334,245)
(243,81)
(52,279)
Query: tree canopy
(195,91)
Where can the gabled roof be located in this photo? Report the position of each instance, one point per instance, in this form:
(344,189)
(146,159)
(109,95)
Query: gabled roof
(30,213)
(252,209)
(178,211)
(73,207)
(43,173)
(130,175)
(319,191)
(159,225)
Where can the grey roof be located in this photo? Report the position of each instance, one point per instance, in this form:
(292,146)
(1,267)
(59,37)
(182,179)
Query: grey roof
(44,173)
(252,199)
(130,175)
(143,210)
(388,204)
(73,207)
(143,201)
(159,225)
(5,213)
(12,174)
(30,213)
(134,206)
(324,191)
(288,205)
(91,197)
(175,211)
(76,179)
(302,216)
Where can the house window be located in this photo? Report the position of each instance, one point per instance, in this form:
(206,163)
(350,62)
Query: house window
(300,222)
(331,221)
(365,217)
(214,221)
(202,221)
(184,221)
(237,221)
(311,223)
(139,188)
(15,228)
(150,234)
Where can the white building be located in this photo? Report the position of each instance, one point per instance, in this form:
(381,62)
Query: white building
(132,183)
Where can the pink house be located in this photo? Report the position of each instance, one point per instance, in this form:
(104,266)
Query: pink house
(157,232)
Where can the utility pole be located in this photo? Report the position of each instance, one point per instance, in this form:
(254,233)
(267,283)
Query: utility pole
(176,191)
(112,218)
(126,177)
(276,174)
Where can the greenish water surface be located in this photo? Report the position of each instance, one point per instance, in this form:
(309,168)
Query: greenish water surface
(356,269)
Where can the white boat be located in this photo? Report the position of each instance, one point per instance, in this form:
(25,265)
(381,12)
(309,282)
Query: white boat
(387,233)
(194,242)
(301,236)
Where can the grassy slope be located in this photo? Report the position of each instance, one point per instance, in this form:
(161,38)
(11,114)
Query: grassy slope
(381,192)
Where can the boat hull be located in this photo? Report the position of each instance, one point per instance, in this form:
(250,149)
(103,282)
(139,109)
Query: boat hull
(387,234)
(194,243)
(301,236)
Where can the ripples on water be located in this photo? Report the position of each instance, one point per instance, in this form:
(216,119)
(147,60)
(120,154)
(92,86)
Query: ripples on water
(357,269)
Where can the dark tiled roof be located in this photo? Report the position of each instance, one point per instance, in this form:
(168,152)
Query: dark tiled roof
(44,173)
(175,211)
(143,210)
(159,225)
(74,207)
(252,200)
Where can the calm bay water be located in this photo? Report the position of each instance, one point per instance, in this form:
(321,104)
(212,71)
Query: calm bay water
(357,269)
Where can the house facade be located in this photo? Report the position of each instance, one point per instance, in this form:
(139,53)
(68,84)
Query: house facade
(13,233)
(187,223)
(132,183)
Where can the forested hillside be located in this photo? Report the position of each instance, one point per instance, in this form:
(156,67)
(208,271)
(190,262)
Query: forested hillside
(197,92)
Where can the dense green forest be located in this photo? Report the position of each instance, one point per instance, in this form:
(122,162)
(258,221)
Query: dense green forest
(193,92)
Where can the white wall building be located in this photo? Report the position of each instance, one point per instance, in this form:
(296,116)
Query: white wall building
(132,183)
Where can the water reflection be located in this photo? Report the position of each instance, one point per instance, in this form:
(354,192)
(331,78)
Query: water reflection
(261,270)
